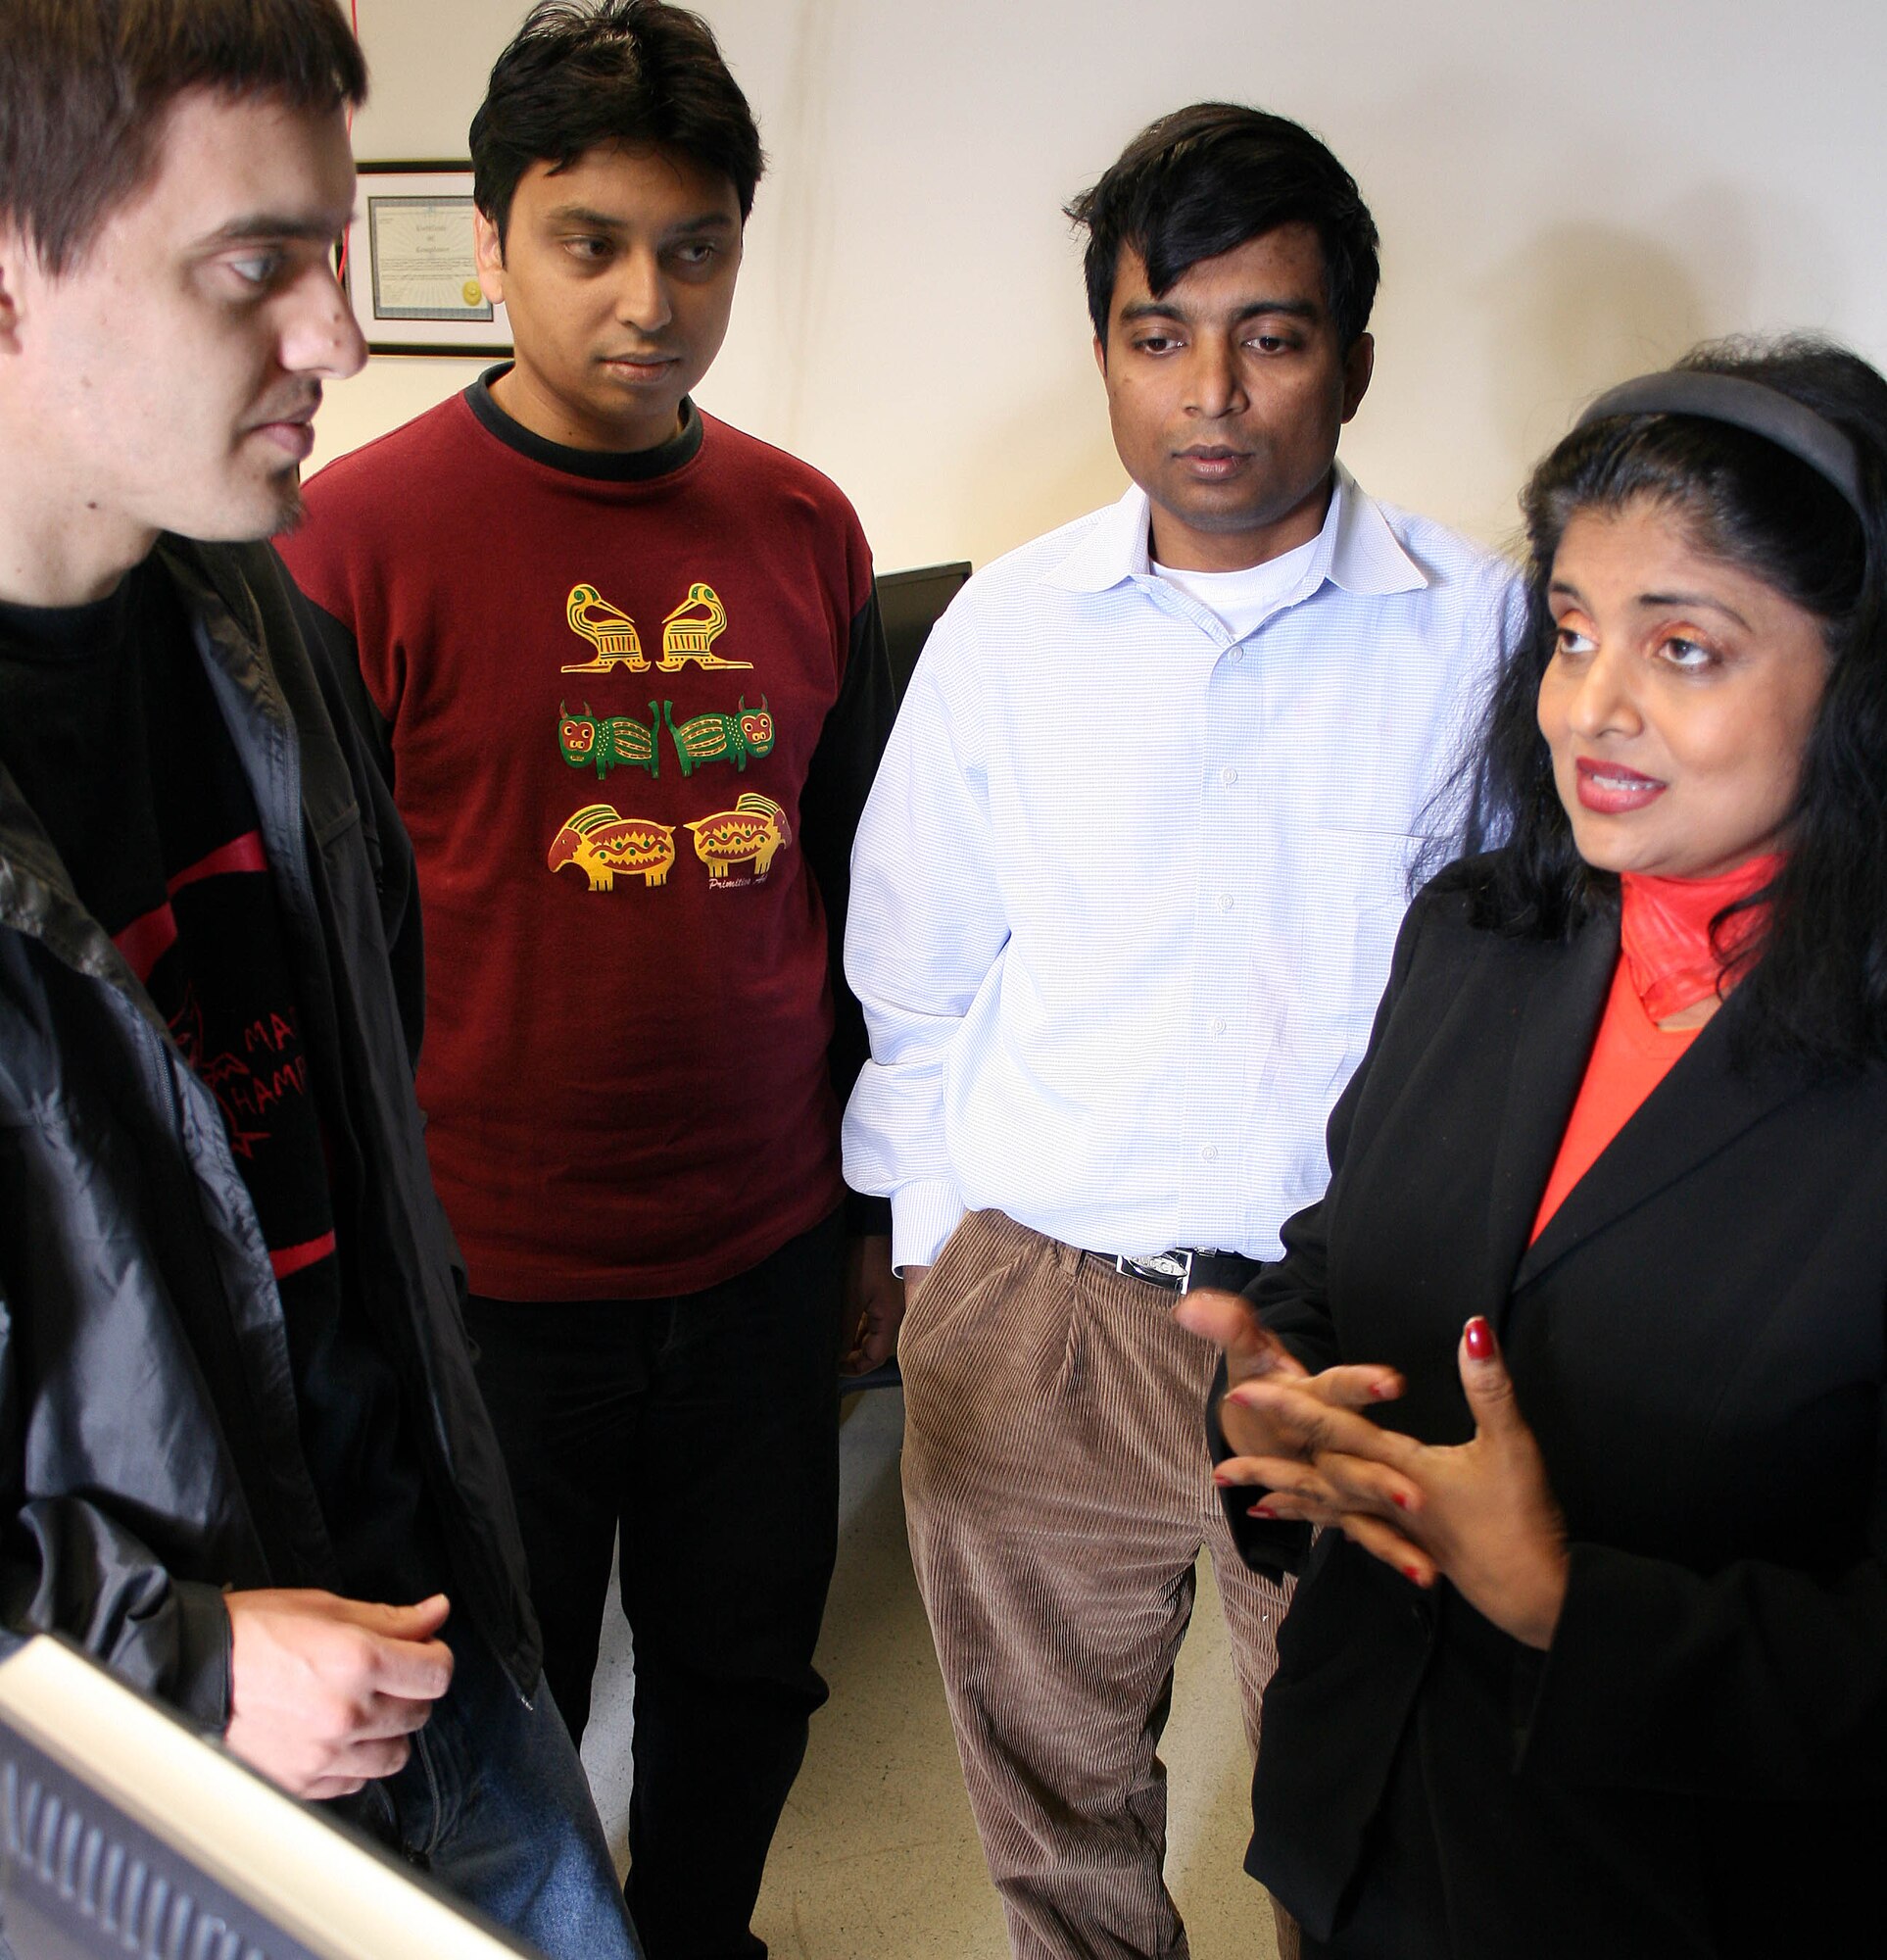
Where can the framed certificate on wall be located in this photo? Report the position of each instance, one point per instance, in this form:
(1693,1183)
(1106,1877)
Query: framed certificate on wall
(408,265)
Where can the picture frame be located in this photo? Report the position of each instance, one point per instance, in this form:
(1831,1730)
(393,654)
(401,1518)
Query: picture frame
(408,267)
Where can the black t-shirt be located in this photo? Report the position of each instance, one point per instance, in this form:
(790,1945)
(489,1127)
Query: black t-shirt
(109,726)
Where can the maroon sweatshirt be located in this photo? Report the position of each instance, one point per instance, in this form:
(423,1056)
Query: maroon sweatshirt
(631,705)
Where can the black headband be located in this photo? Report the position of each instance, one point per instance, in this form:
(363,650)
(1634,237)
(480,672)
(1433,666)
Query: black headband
(1747,405)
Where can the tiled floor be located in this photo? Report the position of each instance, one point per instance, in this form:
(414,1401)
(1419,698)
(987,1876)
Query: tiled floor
(877,1858)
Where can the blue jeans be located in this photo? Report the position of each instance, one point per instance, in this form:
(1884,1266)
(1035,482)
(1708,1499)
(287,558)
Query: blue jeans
(493,1804)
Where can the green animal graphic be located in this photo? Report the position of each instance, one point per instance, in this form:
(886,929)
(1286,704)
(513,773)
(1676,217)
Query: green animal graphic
(720,738)
(617,743)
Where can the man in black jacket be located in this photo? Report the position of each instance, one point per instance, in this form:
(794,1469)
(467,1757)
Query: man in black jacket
(235,1401)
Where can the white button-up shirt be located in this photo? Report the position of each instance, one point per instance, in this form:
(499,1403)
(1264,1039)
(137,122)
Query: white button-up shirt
(1125,893)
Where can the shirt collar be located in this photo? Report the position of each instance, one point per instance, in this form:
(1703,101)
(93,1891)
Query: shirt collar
(599,466)
(1356,549)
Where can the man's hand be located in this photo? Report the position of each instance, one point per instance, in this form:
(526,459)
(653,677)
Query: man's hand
(324,1691)
(874,1304)
(1274,1433)
(1253,1354)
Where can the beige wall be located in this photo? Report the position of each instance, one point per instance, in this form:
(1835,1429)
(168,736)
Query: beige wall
(1569,191)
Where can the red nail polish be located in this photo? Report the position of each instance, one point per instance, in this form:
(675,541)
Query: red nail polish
(1413,1574)
(1480,1340)
(1263,1512)
(1401,1500)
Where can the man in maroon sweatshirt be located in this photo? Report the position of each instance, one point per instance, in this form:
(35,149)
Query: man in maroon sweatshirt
(625,667)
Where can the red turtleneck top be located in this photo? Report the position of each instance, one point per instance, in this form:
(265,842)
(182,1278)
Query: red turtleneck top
(1666,965)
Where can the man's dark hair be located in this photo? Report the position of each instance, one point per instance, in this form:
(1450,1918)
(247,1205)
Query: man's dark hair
(582,72)
(1816,982)
(1203,180)
(87,85)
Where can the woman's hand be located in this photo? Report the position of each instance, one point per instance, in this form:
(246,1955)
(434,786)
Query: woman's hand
(1253,1354)
(1482,1514)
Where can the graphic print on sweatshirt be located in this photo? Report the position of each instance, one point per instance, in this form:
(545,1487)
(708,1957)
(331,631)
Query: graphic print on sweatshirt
(601,842)
(211,955)
(751,833)
(687,634)
(737,845)
(620,741)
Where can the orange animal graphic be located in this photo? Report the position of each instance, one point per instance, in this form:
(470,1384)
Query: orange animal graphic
(605,841)
(684,639)
(607,628)
(749,833)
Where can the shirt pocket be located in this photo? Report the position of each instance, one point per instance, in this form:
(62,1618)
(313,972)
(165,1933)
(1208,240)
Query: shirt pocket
(1356,890)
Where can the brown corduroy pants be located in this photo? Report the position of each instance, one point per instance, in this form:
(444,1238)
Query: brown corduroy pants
(1058,1493)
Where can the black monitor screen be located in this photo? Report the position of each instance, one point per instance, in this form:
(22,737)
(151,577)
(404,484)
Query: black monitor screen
(910,603)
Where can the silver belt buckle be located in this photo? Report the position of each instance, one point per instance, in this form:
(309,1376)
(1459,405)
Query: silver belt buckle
(1173,1269)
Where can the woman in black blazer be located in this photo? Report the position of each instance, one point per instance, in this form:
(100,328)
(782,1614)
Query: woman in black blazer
(1593,1660)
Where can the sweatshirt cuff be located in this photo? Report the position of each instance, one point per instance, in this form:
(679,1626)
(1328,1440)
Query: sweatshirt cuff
(923,1216)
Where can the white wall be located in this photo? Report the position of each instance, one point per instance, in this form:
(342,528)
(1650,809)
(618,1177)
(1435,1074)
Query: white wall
(1569,191)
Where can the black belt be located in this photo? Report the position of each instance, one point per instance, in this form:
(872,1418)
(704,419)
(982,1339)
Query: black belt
(1188,1266)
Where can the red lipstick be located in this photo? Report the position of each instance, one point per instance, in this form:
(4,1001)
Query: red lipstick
(1610,789)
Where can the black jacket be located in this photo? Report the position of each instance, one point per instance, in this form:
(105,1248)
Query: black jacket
(148,1444)
(1699,1765)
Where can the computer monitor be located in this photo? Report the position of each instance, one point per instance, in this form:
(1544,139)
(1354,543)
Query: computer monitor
(911,603)
(123,1832)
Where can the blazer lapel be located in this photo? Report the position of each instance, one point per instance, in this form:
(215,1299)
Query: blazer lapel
(1703,1105)
(1550,1052)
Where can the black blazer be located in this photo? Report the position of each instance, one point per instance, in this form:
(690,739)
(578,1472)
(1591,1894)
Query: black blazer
(1699,1765)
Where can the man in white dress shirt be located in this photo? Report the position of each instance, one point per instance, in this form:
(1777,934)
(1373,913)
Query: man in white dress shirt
(1123,902)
